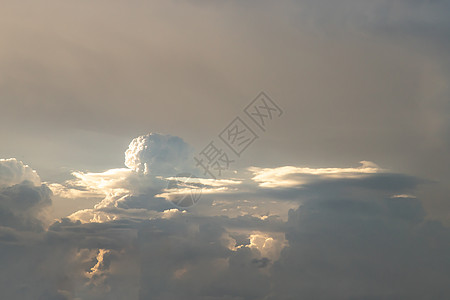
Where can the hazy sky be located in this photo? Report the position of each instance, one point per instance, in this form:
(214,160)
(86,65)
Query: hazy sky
(342,196)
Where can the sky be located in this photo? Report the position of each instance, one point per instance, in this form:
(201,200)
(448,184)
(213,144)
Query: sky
(224,150)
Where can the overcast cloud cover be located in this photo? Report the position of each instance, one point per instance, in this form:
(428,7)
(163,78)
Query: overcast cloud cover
(345,196)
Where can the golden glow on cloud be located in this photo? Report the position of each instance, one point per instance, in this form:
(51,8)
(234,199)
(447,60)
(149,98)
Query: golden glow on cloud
(94,185)
(289,176)
(268,244)
(404,196)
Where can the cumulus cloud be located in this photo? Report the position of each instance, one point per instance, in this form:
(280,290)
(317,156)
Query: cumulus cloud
(203,260)
(349,239)
(129,193)
(22,197)
(152,160)
(21,205)
(343,219)
(70,261)
(362,247)
(269,245)
(13,172)
(158,154)
(354,233)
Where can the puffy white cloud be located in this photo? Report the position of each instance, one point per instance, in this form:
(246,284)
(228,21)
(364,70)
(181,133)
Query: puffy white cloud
(269,245)
(158,154)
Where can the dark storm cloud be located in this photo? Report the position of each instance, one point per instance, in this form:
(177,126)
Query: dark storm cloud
(20,205)
(22,196)
(355,247)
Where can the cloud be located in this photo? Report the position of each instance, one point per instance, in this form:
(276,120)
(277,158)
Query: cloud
(353,233)
(134,194)
(22,197)
(178,256)
(188,190)
(152,160)
(348,239)
(340,58)
(94,184)
(13,172)
(357,79)
(343,217)
(269,245)
(21,205)
(404,196)
(158,154)
(289,176)
(362,247)
(69,261)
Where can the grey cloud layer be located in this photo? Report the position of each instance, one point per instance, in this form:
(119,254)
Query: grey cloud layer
(348,239)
